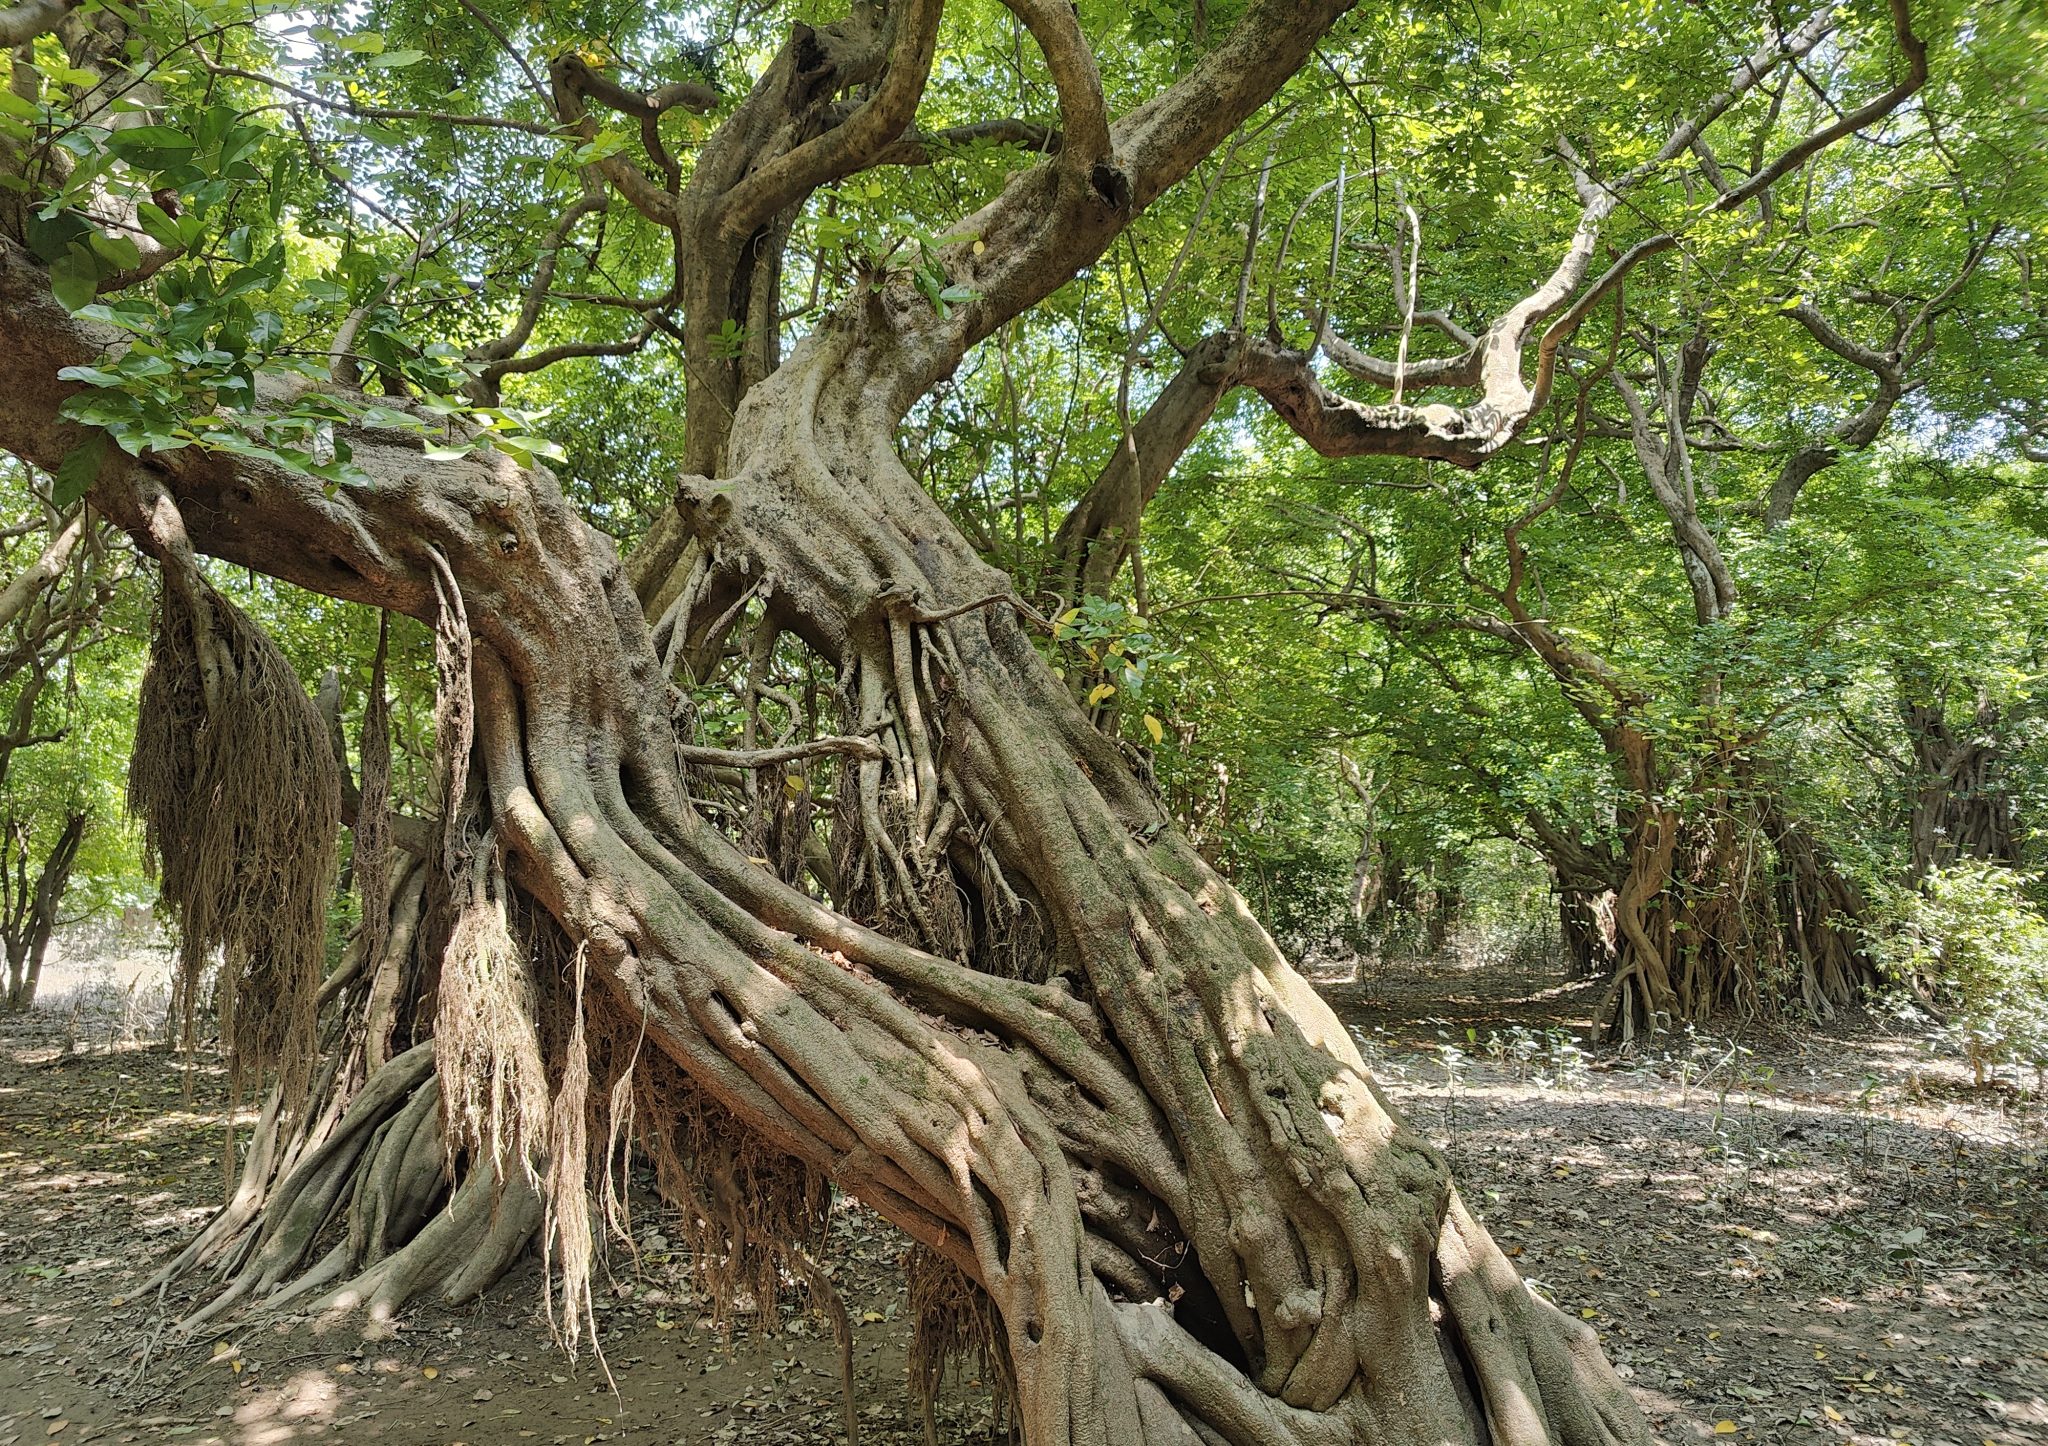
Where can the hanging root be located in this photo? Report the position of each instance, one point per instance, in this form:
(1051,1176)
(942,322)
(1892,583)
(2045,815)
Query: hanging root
(240,802)
(371,861)
(745,1211)
(348,1207)
(748,1214)
(494,1092)
(1740,912)
(955,1324)
(567,1237)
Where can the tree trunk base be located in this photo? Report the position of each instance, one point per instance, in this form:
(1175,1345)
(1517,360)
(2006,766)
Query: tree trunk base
(1746,916)
(369,1175)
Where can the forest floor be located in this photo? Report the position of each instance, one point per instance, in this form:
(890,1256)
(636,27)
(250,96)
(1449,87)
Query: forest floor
(1781,1237)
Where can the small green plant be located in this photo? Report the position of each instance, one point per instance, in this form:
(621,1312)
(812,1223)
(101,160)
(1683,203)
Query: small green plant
(1117,644)
(729,342)
(1974,949)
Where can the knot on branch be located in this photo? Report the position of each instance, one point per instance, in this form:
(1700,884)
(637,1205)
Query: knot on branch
(705,505)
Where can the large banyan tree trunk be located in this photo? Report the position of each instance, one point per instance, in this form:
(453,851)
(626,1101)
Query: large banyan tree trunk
(1730,906)
(1961,805)
(1165,1163)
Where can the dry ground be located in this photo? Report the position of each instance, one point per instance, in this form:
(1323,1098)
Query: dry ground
(1822,1238)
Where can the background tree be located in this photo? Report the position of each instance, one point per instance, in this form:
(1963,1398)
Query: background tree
(60,686)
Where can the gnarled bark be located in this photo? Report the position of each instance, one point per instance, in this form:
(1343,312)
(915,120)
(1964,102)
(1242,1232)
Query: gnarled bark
(1166,1165)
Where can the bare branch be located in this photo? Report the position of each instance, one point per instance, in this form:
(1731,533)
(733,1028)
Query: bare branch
(568,350)
(1280,260)
(505,44)
(1051,221)
(341,359)
(924,148)
(348,106)
(591,201)
(767,757)
(1888,370)
(680,95)
(1251,235)
(1794,156)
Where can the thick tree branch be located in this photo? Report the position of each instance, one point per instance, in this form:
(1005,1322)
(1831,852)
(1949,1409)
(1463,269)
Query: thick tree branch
(1493,361)
(850,146)
(1056,26)
(571,76)
(22,23)
(38,575)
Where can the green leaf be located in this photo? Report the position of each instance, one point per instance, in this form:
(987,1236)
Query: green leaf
(79,469)
(158,224)
(398,59)
(64,73)
(75,278)
(604,144)
(527,448)
(119,252)
(134,141)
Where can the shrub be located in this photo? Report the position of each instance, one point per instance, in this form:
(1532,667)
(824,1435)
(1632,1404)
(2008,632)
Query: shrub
(1974,947)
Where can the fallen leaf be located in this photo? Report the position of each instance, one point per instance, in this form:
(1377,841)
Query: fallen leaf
(1724,1428)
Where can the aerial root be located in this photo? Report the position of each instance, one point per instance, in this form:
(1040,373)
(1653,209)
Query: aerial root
(245,866)
(954,1324)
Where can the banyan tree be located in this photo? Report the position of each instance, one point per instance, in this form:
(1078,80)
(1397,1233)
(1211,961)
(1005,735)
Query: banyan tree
(928,936)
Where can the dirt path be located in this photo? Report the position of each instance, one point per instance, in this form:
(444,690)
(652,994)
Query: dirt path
(1781,1239)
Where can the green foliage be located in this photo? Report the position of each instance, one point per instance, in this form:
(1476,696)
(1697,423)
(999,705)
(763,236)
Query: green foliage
(1245,657)
(1976,946)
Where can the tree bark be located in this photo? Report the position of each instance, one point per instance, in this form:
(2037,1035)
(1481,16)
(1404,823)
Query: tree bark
(1166,1165)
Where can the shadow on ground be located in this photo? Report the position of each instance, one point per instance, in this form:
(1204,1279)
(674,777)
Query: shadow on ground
(1790,1238)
